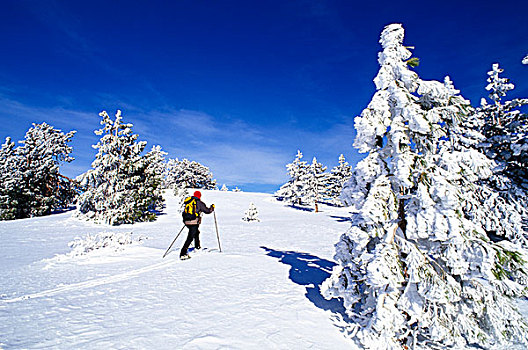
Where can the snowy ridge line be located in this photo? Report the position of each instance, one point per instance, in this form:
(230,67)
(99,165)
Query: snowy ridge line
(91,283)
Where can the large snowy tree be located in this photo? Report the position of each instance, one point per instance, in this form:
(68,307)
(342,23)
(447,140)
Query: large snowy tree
(414,270)
(123,186)
(31,182)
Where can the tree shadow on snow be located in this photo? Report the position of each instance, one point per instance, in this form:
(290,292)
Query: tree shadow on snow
(341,218)
(296,207)
(310,271)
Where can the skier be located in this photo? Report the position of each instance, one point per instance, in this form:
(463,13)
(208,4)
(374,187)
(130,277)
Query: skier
(192,219)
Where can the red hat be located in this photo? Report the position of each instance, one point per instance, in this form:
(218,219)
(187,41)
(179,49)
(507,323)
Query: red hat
(197,194)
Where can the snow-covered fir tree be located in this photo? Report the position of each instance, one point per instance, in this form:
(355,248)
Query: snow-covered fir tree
(505,128)
(122,186)
(189,174)
(295,189)
(315,184)
(224,188)
(33,185)
(251,214)
(236,189)
(335,181)
(414,271)
(499,201)
(10,180)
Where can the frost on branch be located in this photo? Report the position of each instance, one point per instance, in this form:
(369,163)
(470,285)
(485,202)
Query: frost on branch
(415,269)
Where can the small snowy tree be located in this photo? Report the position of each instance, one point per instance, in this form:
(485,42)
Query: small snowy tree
(251,214)
(122,186)
(236,189)
(414,271)
(335,181)
(295,189)
(224,188)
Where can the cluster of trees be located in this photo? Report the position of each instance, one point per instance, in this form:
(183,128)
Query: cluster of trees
(437,245)
(30,181)
(124,184)
(311,184)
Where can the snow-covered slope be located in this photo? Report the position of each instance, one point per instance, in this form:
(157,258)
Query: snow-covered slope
(262,291)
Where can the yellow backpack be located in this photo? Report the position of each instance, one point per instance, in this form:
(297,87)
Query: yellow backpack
(189,213)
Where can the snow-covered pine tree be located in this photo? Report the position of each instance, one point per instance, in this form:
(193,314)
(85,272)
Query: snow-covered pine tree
(335,181)
(505,128)
(10,180)
(117,189)
(191,174)
(497,202)
(315,183)
(236,189)
(224,188)
(295,189)
(413,270)
(35,186)
(251,214)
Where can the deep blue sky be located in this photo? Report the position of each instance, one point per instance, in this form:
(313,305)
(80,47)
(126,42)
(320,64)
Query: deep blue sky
(236,85)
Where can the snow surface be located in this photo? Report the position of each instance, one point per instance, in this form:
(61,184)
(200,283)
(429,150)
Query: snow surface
(262,291)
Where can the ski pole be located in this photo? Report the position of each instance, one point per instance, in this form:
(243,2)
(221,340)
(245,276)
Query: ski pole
(173,241)
(217,236)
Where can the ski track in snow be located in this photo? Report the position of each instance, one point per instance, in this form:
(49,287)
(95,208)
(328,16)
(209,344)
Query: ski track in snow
(90,283)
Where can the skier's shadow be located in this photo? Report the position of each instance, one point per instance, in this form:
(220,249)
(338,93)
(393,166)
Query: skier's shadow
(310,271)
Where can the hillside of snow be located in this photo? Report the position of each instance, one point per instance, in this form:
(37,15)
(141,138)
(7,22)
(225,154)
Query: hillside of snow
(261,291)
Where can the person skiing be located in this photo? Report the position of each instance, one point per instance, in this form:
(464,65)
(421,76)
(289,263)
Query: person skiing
(192,219)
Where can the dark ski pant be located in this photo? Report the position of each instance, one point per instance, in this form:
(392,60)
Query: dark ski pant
(194,234)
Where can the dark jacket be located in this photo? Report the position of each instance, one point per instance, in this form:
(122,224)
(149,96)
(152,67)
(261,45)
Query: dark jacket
(200,208)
